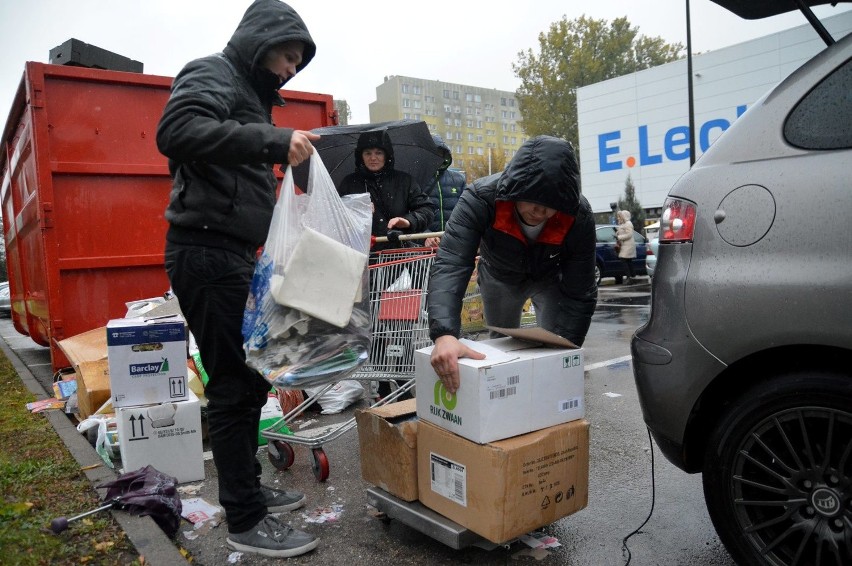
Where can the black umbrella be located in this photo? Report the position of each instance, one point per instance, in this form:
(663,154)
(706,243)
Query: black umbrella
(414,150)
(146,491)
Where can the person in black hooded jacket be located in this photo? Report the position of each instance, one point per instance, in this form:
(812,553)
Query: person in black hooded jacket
(535,235)
(217,131)
(444,190)
(398,201)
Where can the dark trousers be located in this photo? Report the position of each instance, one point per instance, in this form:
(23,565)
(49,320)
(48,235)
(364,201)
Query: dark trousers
(211,286)
(628,263)
(503,302)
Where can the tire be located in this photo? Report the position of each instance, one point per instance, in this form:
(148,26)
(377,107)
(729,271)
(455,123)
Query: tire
(778,472)
(598,272)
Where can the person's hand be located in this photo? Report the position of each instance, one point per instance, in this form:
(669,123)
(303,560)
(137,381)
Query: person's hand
(399,223)
(432,242)
(301,147)
(445,360)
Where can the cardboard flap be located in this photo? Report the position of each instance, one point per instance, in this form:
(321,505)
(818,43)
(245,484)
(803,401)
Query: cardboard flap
(493,356)
(398,409)
(89,346)
(536,335)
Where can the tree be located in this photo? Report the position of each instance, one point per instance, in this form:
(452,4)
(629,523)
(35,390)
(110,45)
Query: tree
(629,203)
(577,53)
(476,166)
(344,113)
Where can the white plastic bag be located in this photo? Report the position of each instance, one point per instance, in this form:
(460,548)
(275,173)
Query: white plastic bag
(290,346)
(336,399)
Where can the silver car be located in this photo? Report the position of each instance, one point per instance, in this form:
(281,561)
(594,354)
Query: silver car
(744,369)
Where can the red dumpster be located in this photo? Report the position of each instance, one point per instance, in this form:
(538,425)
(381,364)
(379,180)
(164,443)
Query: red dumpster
(83,193)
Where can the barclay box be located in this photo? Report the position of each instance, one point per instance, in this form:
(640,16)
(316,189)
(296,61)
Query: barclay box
(521,386)
(147,360)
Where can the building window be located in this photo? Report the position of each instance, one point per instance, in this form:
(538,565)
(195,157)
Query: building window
(468,97)
(417,104)
(455,95)
(479,124)
(457,123)
(458,135)
(502,101)
(470,137)
(417,116)
(406,116)
(457,109)
(470,123)
(448,121)
(479,151)
(416,89)
(406,103)
(448,108)
(468,110)
(470,150)
(477,98)
(404,88)
(446,93)
(479,138)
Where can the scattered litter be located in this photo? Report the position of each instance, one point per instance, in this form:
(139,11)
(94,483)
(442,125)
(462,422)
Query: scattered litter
(207,455)
(307,423)
(189,489)
(235,557)
(197,511)
(540,540)
(611,394)
(45,404)
(328,514)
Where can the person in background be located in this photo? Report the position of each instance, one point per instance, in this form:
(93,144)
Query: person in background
(444,191)
(216,130)
(627,245)
(399,202)
(535,235)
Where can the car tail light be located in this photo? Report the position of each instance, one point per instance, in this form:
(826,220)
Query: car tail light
(678,221)
(648,250)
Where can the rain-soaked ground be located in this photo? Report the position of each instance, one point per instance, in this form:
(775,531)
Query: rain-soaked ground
(620,481)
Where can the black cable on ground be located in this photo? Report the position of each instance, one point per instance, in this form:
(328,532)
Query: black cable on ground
(624,549)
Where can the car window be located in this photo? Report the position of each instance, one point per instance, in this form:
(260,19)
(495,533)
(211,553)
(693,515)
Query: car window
(821,119)
(638,238)
(605,235)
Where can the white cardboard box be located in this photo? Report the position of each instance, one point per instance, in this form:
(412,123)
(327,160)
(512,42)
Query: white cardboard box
(147,360)
(164,435)
(521,386)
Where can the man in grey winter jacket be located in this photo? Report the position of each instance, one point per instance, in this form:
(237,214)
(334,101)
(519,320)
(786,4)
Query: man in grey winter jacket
(535,235)
(217,132)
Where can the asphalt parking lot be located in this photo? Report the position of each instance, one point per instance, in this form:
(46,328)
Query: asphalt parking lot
(352,532)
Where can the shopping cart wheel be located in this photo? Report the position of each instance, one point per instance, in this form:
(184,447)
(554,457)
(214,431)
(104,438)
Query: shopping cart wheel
(320,464)
(280,454)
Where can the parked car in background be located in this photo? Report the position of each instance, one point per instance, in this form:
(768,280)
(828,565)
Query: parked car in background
(608,264)
(5,300)
(651,256)
(744,369)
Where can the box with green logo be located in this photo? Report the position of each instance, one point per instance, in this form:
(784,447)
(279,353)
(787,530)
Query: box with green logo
(147,360)
(530,380)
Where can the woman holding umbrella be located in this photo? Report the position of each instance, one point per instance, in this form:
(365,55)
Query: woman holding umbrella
(399,202)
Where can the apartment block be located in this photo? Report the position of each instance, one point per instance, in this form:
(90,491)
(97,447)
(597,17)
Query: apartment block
(472,120)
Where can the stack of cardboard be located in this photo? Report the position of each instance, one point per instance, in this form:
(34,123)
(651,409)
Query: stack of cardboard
(158,415)
(137,368)
(505,455)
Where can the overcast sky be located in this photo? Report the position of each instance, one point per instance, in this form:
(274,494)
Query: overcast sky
(472,42)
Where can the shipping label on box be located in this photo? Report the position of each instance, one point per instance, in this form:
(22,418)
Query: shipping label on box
(504,489)
(519,387)
(387,438)
(164,435)
(147,360)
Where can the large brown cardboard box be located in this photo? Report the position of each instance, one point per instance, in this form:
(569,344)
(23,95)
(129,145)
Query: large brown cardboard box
(507,488)
(387,436)
(92,386)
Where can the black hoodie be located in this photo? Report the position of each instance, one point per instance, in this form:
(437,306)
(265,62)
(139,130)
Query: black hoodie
(484,222)
(218,134)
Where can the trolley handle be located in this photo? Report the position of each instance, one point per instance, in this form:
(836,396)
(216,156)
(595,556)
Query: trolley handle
(395,237)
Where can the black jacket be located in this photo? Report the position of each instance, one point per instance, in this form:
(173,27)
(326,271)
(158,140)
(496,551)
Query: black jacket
(393,193)
(445,189)
(218,134)
(484,222)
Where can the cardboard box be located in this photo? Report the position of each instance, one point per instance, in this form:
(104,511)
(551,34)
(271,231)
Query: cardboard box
(521,386)
(92,386)
(387,436)
(164,435)
(147,360)
(508,488)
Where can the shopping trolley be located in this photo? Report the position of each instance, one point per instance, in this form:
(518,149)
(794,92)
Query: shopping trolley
(398,285)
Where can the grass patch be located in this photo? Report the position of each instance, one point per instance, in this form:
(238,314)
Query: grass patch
(40,481)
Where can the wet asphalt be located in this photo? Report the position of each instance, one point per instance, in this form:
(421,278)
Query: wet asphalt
(353,533)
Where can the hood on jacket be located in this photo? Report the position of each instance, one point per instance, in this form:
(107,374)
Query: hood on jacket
(445,151)
(625,215)
(543,171)
(376,138)
(267,23)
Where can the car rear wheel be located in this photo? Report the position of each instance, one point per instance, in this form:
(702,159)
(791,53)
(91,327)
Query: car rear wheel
(778,473)
(598,272)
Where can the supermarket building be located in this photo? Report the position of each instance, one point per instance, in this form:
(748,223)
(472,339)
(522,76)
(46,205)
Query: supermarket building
(637,125)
